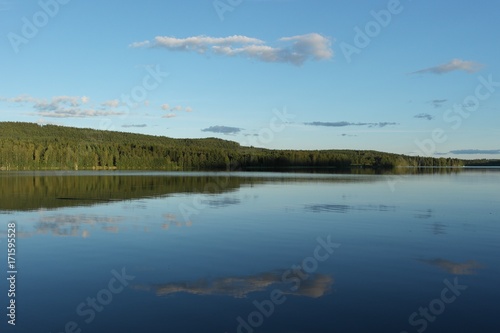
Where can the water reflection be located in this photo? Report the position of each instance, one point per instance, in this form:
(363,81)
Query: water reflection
(173,220)
(438,228)
(335,208)
(71,225)
(466,268)
(76,225)
(221,202)
(28,191)
(314,286)
(207,272)
(427,214)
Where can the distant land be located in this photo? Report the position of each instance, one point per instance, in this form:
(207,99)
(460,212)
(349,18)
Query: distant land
(29,146)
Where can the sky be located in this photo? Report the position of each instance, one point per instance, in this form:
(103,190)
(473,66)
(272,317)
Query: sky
(415,77)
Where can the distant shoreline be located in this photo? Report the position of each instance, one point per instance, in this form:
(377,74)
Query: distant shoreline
(28,146)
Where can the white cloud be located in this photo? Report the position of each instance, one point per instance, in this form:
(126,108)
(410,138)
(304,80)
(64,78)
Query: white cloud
(296,49)
(140,44)
(114,103)
(65,106)
(201,43)
(58,103)
(310,45)
(69,100)
(77,113)
(172,109)
(21,99)
(80,106)
(453,65)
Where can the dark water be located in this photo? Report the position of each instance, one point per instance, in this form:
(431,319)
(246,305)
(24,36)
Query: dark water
(252,252)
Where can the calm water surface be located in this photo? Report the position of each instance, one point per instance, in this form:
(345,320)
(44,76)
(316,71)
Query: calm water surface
(253,252)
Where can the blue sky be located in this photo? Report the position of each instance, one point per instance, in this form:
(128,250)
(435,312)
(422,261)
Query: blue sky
(411,77)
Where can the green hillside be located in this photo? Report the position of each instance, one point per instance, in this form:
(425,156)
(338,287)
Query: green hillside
(28,146)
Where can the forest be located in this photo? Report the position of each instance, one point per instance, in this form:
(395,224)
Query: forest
(29,146)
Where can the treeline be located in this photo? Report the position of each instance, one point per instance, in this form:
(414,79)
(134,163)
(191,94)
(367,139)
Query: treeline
(482,162)
(28,146)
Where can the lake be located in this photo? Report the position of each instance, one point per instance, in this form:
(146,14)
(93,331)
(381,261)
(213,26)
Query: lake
(251,252)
